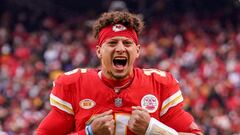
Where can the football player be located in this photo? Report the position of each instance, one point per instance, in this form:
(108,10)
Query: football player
(118,98)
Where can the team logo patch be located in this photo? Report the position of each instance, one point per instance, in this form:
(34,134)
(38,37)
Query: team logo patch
(118,27)
(87,103)
(150,103)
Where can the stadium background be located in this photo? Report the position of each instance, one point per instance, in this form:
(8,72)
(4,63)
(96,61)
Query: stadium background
(197,41)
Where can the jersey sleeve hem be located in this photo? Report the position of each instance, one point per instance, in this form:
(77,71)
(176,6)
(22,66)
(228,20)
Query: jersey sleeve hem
(61,104)
(171,101)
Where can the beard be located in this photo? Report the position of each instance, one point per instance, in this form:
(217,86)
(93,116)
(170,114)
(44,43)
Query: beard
(118,76)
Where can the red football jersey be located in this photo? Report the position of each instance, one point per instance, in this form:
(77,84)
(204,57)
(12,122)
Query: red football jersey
(82,93)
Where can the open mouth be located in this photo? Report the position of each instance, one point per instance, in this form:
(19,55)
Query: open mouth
(120,62)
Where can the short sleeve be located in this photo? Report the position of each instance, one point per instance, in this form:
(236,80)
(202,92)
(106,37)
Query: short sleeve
(61,95)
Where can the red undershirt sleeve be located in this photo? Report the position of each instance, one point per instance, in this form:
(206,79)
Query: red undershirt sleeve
(172,112)
(56,123)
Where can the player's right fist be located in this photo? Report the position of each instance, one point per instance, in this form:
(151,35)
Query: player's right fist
(139,120)
(103,124)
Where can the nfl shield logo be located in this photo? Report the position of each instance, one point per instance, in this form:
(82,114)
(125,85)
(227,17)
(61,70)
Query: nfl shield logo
(118,102)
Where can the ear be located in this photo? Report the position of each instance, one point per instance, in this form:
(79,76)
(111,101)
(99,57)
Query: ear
(138,50)
(98,52)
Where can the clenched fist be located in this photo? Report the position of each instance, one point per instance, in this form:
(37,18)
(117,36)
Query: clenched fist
(103,124)
(139,120)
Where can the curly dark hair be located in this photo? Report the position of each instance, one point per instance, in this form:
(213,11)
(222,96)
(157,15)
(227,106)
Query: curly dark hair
(127,19)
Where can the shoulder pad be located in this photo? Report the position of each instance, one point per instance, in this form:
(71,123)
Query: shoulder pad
(160,76)
(71,76)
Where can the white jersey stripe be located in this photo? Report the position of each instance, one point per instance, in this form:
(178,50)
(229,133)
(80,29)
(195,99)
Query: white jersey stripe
(61,104)
(172,101)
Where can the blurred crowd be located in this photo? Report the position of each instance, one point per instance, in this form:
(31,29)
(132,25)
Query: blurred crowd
(202,53)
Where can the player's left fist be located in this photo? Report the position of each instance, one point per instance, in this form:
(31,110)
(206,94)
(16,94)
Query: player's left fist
(139,120)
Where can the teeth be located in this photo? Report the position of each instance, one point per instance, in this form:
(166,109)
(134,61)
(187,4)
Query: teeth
(118,58)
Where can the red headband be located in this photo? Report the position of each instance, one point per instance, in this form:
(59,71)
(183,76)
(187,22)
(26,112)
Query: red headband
(116,30)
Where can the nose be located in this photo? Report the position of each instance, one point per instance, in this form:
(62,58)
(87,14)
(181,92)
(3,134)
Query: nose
(120,47)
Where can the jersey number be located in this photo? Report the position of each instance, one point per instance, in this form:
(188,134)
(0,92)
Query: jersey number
(150,71)
(82,70)
(121,123)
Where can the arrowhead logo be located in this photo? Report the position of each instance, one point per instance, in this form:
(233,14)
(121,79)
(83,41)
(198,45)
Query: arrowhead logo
(118,27)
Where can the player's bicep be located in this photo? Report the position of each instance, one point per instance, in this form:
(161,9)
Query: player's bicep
(61,95)
(56,122)
(61,104)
